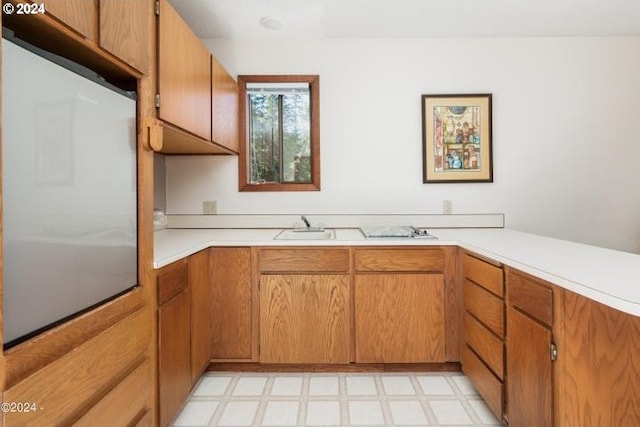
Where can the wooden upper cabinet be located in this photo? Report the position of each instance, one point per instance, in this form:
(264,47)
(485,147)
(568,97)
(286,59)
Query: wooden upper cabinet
(124,30)
(224,107)
(184,75)
(79,15)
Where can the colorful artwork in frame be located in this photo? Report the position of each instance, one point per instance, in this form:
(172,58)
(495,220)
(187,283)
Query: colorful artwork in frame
(456,133)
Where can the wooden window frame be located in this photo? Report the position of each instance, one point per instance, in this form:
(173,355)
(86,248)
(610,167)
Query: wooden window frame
(243,158)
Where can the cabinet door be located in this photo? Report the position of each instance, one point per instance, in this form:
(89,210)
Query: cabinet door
(200,313)
(399,318)
(305,318)
(174,355)
(80,15)
(184,75)
(231,304)
(529,371)
(224,107)
(124,30)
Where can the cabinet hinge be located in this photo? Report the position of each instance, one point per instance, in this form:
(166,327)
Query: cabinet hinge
(157,8)
(157,100)
(553,350)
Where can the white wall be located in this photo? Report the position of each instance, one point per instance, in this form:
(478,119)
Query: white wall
(565,132)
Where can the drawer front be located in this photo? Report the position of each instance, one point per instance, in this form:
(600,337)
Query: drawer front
(486,345)
(487,384)
(484,274)
(485,306)
(531,296)
(172,280)
(415,260)
(304,260)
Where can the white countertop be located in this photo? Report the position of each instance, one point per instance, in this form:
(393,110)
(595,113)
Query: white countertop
(604,275)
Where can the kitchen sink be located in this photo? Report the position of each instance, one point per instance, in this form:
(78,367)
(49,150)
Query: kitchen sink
(306,234)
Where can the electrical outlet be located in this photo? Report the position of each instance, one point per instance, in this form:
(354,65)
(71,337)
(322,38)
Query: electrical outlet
(210,207)
(447,207)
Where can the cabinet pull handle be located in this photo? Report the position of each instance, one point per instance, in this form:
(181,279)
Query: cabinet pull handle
(553,350)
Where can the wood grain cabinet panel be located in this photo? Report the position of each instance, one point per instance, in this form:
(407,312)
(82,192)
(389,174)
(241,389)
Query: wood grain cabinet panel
(532,296)
(317,260)
(174,355)
(80,15)
(125,405)
(483,353)
(200,304)
(305,318)
(529,371)
(485,307)
(184,75)
(399,318)
(231,304)
(488,347)
(414,259)
(68,387)
(488,385)
(599,358)
(124,31)
(174,339)
(485,274)
(224,107)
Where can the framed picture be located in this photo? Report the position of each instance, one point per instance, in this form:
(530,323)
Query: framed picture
(456,138)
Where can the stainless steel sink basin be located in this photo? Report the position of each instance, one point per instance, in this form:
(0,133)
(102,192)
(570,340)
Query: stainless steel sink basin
(306,234)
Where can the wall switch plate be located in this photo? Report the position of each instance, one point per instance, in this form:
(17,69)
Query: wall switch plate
(447,207)
(210,207)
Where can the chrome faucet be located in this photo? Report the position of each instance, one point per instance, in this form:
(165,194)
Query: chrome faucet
(306,221)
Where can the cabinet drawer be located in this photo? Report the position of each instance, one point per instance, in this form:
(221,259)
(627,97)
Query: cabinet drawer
(486,307)
(172,280)
(487,384)
(531,296)
(487,346)
(427,260)
(484,274)
(304,260)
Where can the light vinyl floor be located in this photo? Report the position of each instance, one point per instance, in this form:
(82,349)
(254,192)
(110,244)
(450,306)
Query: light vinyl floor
(334,399)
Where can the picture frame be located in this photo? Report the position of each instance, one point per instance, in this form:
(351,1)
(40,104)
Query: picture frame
(457,138)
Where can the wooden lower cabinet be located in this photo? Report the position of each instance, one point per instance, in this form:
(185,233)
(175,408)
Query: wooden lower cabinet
(529,343)
(598,365)
(232,305)
(174,339)
(305,318)
(200,313)
(399,318)
(529,370)
(483,353)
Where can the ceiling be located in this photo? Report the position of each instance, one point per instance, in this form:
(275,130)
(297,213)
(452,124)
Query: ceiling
(316,19)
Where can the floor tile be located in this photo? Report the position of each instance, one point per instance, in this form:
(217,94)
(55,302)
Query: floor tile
(250,386)
(450,412)
(434,384)
(212,386)
(338,399)
(397,385)
(408,413)
(483,412)
(361,386)
(464,385)
(323,386)
(196,414)
(323,413)
(238,414)
(281,414)
(367,413)
(287,386)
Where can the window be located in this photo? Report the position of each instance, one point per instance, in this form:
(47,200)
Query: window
(279,135)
